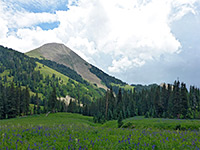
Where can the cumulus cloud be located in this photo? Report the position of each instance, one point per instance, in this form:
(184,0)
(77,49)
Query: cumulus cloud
(119,65)
(130,32)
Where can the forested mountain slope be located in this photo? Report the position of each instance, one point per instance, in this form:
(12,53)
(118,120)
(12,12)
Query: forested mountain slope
(21,69)
(63,55)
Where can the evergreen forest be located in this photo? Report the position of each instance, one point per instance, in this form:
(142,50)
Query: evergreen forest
(29,86)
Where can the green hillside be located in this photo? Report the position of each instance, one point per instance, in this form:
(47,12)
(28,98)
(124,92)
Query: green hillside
(105,78)
(46,71)
(21,69)
(110,81)
(61,54)
(35,54)
(64,70)
(62,59)
(72,85)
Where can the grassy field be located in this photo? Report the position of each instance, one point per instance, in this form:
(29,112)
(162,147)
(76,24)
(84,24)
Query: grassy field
(74,131)
(35,54)
(126,87)
(48,71)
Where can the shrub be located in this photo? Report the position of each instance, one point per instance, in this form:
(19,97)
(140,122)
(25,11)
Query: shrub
(128,125)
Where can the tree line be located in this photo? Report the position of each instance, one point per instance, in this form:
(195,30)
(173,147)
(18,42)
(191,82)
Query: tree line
(15,100)
(166,101)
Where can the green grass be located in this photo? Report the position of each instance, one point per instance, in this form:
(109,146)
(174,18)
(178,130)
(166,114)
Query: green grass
(50,120)
(48,71)
(34,54)
(74,131)
(157,123)
(126,87)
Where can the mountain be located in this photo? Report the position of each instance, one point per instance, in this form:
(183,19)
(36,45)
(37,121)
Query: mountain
(61,54)
(18,68)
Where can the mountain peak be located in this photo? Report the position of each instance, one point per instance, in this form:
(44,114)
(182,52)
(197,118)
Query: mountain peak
(54,44)
(54,48)
(63,55)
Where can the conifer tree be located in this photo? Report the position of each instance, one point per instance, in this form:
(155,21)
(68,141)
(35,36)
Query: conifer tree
(72,106)
(22,102)
(119,102)
(1,103)
(176,100)
(164,99)
(170,102)
(52,100)
(38,104)
(119,121)
(27,100)
(107,105)
(18,99)
(45,106)
(5,102)
(11,103)
(158,103)
(184,100)
(34,109)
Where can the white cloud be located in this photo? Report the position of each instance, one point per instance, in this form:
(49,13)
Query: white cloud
(25,19)
(22,18)
(131,32)
(119,65)
(3,28)
(27,39)
(82,47)
(180,8)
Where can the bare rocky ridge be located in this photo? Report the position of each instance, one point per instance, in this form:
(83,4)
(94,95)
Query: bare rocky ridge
(63,55)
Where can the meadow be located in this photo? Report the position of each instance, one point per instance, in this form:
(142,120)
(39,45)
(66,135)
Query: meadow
(74,131)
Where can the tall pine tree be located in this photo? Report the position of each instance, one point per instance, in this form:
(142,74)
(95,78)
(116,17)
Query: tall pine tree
(27,100)
(52,100)
(184,100)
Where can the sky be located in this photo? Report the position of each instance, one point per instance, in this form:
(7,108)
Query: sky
(137,41)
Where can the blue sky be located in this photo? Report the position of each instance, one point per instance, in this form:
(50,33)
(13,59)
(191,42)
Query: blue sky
(141,41)
(37,6)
